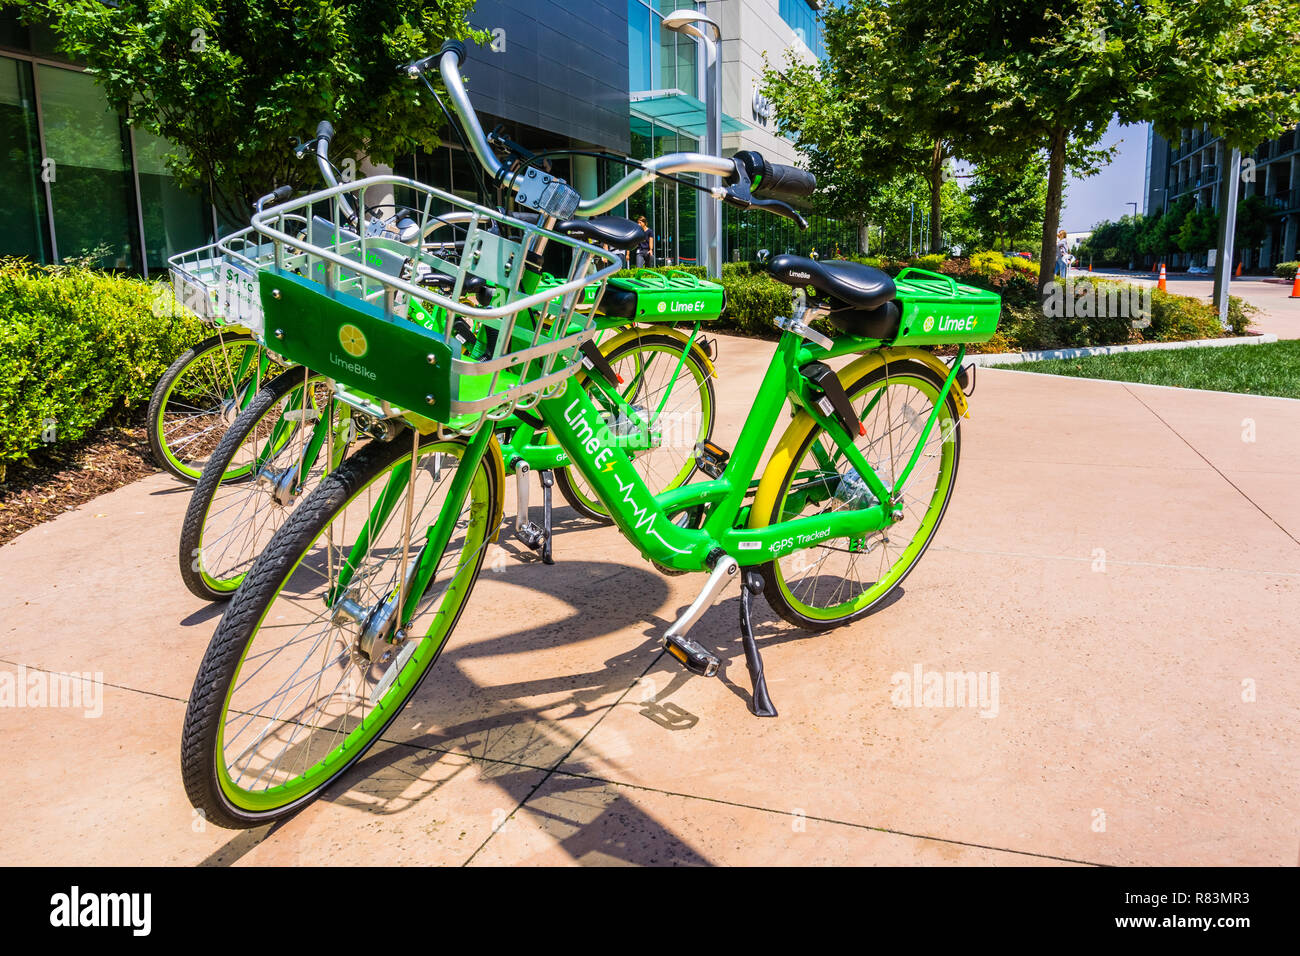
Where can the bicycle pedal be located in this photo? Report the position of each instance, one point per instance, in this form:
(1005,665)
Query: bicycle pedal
(711,459)
(691,656)
(531,535)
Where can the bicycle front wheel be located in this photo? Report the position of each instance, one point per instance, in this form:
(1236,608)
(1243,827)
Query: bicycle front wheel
(199,397)
(307,667)
(839,580)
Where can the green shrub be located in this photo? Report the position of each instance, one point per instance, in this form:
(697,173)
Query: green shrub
(1286,270)
(1240,312)
(753,301)
(1073,317)
(76,346)
(930,262)
(1178,318)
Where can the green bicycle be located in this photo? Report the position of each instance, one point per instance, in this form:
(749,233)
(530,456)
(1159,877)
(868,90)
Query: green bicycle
(292,433)
(343,616)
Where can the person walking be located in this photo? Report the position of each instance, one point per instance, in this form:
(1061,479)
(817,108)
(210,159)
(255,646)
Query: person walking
(645,252)
(1062,255)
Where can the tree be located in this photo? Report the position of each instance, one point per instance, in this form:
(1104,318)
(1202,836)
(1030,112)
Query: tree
(1008,199)
(1199,231)
(1006,77)
(230,81)
(848,146)
(1253,216)
(1159,238)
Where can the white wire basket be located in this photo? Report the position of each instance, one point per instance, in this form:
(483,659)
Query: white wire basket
(432,311)
(218,282)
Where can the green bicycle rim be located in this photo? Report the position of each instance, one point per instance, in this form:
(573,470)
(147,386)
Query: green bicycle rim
(580,488)
(362,736)
(180,466)
(230,584)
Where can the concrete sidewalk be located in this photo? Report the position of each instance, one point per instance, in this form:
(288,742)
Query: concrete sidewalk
(1117,555)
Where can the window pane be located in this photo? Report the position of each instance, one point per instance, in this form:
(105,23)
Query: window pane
(640,67)
(677,53)
(91,188)
(22,194)
(174,220)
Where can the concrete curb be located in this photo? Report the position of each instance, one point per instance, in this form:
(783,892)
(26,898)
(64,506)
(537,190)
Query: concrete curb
(1015,358)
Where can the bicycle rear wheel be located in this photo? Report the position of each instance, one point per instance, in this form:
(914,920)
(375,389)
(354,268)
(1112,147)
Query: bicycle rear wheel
(840,580)
(301,678)
(199,397)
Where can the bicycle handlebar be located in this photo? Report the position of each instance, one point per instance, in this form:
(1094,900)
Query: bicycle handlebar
(278,195)
(324,134)
(773,178)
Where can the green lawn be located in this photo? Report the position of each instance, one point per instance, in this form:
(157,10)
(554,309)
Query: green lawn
(1272,369)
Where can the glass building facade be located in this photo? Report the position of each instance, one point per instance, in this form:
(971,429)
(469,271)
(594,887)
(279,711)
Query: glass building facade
(77,181)
(801,17)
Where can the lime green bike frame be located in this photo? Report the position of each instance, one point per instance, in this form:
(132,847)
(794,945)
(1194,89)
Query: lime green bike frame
(574,421)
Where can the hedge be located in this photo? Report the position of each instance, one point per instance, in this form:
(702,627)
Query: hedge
(77,347)
(1286,270)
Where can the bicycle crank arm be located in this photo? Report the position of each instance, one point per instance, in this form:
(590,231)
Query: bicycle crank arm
(526,530)
(692,655)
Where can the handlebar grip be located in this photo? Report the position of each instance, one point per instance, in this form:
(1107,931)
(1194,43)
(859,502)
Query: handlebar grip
(281,194)
(786,181)
(452,46)
(325,131)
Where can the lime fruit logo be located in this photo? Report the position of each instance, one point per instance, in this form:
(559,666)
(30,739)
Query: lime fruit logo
(353,340)
(663,306)
(929,323)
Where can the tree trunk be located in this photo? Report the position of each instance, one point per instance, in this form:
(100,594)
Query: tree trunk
(864,238)
(936,191)
(1052,219)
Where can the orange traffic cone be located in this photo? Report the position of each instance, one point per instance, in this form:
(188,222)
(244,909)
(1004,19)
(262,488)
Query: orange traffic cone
(1160,284)
(1238,272)
(1295,287)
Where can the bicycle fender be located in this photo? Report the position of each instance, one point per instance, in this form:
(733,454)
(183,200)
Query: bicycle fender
(802,424)
(635,332)
(497,463)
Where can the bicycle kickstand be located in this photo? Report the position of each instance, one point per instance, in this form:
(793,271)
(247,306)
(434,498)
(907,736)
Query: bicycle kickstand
(548,482)
(760,703)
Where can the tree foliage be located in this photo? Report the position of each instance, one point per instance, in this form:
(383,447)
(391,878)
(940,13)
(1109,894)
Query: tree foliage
(1007,201)
(992,81)
(230,81)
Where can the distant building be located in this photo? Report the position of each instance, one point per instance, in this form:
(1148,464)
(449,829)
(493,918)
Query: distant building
(1194,167)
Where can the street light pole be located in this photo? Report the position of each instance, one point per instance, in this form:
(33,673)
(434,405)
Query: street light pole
(1229,177)
(693,23)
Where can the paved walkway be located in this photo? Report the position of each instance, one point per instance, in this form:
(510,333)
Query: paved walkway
(1116,554)
(1279,314)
